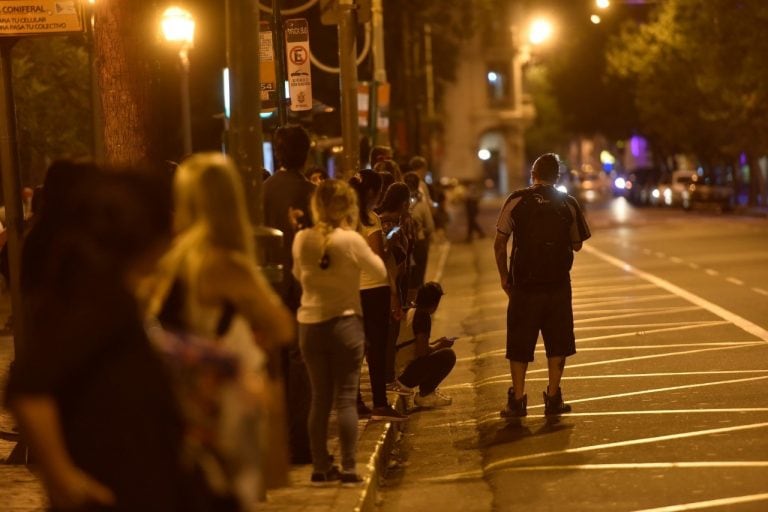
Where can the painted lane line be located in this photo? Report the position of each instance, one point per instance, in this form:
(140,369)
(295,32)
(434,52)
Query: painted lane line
(634,315)
(760,291)
(711,272)
(721,502)
(660,255)
(636,311)
(723,313)
(636,333)
(441,262)
(602,290)
(648,465)
(660,412)
(647,251)
(512,461)
(734,280)
(702,323)
(624,299)
(694,266)
(502,351)
(675,259)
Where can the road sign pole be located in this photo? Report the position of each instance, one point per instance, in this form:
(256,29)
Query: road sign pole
(279,42)
(348,85)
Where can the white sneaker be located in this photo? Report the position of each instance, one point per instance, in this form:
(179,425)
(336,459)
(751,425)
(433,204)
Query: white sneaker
(434,399)
(399,388)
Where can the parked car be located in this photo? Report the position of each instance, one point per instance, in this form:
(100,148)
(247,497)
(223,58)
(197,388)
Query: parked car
(670,191)
(640,184)
(593,186)
(707,190)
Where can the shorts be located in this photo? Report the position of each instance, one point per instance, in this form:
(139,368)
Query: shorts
(547,311)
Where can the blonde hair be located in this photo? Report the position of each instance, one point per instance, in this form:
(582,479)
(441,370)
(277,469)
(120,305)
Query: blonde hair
(334,204)
(209,196)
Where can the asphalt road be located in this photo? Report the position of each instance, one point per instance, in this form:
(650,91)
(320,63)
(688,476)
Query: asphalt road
(668,386)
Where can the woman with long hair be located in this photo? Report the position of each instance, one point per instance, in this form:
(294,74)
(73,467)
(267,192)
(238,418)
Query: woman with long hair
(376,296)
(328,259)
(209,287)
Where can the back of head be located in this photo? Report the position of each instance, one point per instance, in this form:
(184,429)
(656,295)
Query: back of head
(208,193)
(546,168)
(429,294)
(412,180)
(391,167)
(367,184)
(292,145)
(379,153)
(394,197)
(334,204)
(62,180)
(418,164)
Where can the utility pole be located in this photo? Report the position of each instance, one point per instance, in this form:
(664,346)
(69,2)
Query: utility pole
(245,136)
(348,85)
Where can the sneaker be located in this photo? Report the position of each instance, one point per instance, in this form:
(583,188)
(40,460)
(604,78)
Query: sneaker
(363,411)
(399,388)
(554,405)
(515,408)
(351,479)
(387,414)
(433,399)
(326,478)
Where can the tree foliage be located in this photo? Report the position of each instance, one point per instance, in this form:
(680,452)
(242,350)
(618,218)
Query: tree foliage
(51,83)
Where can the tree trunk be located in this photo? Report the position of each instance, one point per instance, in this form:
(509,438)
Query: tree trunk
(123,35)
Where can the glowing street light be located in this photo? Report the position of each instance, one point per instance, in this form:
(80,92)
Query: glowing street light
(595,19)
(484,154)
(541,31)
(602,4)
(178,27)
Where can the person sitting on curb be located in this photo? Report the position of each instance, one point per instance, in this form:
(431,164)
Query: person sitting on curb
(426,364)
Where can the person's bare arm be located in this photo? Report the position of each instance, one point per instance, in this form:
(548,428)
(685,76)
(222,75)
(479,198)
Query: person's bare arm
(500,251)
(67,485)
(231,277)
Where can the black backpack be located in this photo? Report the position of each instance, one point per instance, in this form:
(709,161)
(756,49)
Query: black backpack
(542,253)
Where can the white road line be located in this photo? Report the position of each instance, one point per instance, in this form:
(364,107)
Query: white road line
(734,280)
(633,315)
(648,465)
(697,505)
(712,272)
(500,465)
(638,333)
(723,313)
(602,290)
(675,259)
(642,326)
(651,310)
(695,266)
(624,299)
(441,262)
(760,291)
(660,255)
(647,251)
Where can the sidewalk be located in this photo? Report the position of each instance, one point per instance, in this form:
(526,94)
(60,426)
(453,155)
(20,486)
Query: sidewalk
(21,491)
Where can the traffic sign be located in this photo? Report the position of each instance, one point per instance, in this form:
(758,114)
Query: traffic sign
(299,69)
(39,17)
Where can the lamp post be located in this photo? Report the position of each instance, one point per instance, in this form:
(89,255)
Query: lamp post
(178,27)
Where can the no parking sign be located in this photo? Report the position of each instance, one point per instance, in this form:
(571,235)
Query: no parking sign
(299,69)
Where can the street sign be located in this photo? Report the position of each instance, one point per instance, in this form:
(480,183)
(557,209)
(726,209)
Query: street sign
(40,17)
(329,11)
(299,69)
(267,75)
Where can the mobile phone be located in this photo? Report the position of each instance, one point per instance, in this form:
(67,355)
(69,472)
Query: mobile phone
(392,233)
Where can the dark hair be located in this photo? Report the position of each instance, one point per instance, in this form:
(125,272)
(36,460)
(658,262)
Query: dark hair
(394,197)
(365,182)
(316,170)
(418,162)
(379,153)
(291,146)
(546,167)
(412,180)
(62,180)
(429,294)
(391,167)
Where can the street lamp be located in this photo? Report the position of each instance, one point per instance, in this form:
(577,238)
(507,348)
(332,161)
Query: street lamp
(602,4)
(178,27)
(541,31)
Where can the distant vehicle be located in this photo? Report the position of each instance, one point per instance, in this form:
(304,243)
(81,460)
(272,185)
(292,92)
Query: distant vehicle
(707,190)
(639,185)
(593,186)
(670,192)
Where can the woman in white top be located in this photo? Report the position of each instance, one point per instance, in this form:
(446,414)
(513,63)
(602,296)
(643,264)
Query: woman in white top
(377,297)
(328,259)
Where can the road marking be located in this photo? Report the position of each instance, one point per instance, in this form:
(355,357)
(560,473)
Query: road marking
(675,259)
(712,272)
(648,465)
(509,462)
(734,280)
(760,291)
(441,262)
(639,333)
(608,289)
(708,323)
(661,255)
(634,315)
(723,313)
(694,265)
(709,504)
(623,299)
(647,251)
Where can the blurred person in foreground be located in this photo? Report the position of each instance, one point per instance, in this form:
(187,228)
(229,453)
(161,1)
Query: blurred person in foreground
(328,260)
(209,286)
(92,398)
(546,227)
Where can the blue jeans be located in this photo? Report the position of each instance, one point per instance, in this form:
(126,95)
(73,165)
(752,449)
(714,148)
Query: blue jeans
(333,351)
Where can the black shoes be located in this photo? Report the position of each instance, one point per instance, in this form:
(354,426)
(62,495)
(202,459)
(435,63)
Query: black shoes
(330,477)
(351,479)
(515,408)
(554,405)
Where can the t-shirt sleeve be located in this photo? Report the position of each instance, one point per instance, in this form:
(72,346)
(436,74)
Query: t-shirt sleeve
(579,227)
(422,323)
(505,223)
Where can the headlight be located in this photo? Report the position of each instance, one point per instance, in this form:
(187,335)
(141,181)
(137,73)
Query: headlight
(656,194)
(620,183)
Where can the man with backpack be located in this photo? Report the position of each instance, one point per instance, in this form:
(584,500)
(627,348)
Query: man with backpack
(546,227)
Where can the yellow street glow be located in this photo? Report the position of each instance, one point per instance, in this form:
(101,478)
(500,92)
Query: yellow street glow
(178,25)
(595,19)
(541,31)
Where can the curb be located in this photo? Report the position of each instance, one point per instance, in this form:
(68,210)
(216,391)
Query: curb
(376,466)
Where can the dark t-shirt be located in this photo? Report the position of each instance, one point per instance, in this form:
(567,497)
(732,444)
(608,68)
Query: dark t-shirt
(120,422)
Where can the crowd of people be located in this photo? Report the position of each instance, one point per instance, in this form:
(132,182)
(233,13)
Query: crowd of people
(161,371)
